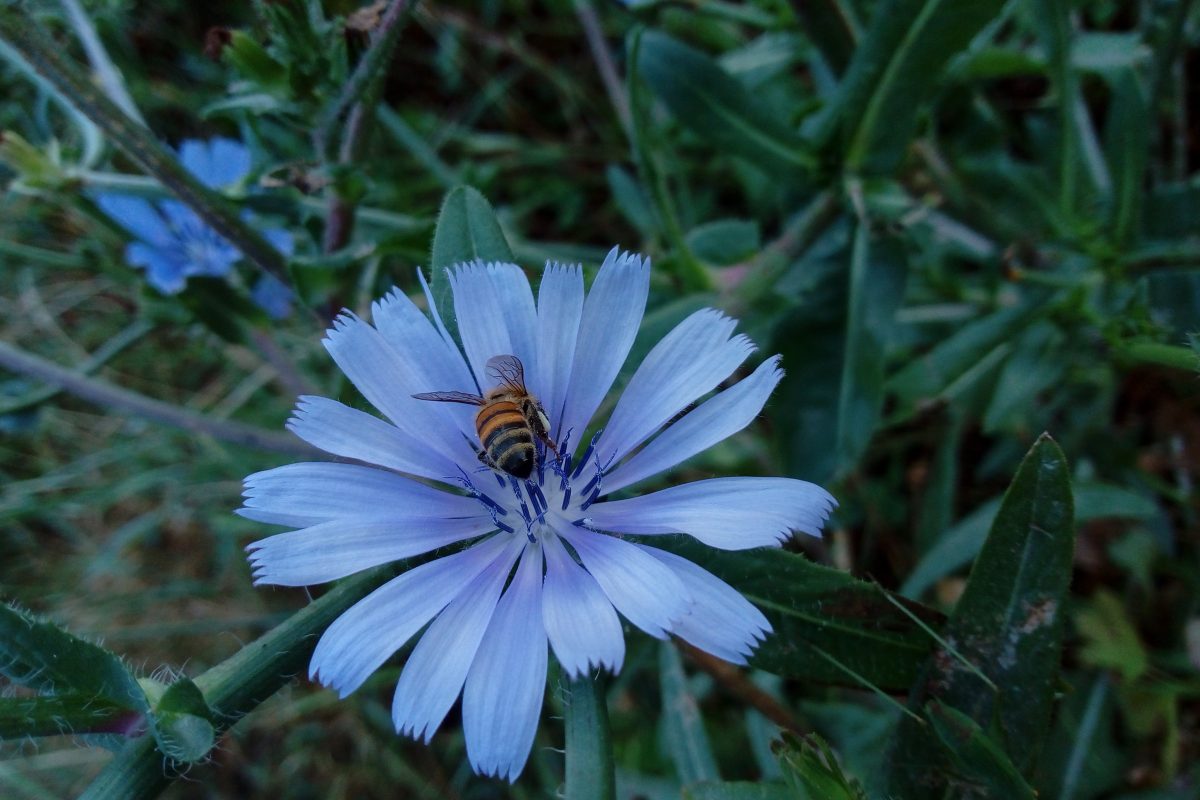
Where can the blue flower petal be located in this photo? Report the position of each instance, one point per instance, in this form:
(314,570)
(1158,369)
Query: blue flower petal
(715,419)
(305,494)
(217,163)
(582,624)
(360,640)
(165,271)
(643,590)
(350,433)
(387,379)
(503,695)
(611,316)
(273,297)
(437,365)
(496,315)
(721,621)
(727,513)
(332,550)
(435,672)
(137,216)
(281,240)
(560,306)
(686,364)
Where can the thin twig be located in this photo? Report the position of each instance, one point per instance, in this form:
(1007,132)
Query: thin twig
(106,72)
(136,330)
(289,377)
(736,683)
(102,393)
(594,34)
(362,79)
(356,104)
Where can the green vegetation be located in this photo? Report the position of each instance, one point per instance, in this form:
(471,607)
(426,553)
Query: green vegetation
(971,227)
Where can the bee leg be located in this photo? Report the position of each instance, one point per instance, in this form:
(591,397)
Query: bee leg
(486,460)
(539,423)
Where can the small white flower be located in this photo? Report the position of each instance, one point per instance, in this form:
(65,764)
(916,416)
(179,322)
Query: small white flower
(553,533)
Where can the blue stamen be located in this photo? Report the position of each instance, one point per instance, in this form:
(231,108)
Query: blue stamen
(566,498)
(566,470)
(587,453)
(507,528)
(592,483)
(595,496)
(499,477)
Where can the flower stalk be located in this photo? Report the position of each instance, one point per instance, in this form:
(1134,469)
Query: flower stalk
(589,773)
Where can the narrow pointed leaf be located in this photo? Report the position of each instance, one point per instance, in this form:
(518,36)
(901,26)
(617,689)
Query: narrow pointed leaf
(738,790)
(705,98)
(39,654)
(1007,628)
(466,230)
(832,26)
(683,725)
(63,714)
(877,270)
(889,78)
(978,759)
(828,626)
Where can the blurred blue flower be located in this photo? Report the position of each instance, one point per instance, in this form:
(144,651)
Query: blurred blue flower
(173,244)
(554,533)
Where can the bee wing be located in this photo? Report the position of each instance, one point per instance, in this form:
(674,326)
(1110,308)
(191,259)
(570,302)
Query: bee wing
(451,397)
(507,370)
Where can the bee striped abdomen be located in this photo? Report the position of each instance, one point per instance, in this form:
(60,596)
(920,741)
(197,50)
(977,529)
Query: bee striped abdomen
(506,437)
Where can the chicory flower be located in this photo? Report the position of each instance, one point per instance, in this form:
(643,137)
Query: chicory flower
(545,561)
(172,243)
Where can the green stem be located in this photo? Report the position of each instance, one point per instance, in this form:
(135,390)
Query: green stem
(233,688)
(361,82)
(1163,355)
(44,56)
(590,773)
(768,266)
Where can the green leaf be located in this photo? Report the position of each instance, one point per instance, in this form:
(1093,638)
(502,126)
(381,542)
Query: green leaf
(589,769)
(738,790)
(725,241)
(878,265)
(833,27)
(1035,365)
(828,626)
(72,713)
(1110,639)
(889,77)
(1174,299)
(683,725)
(961,543)
(43,656)
(466,230)
(812,770)
(708,100)
(1127,144)
(1006,629)
(942,373)
(182,723)
(977,758)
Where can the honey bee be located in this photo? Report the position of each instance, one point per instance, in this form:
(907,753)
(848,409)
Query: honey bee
(509,420)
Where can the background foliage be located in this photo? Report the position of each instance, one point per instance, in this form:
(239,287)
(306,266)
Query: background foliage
(962,222)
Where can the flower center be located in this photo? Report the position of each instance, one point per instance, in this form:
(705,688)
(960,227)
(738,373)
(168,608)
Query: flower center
(559,490)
